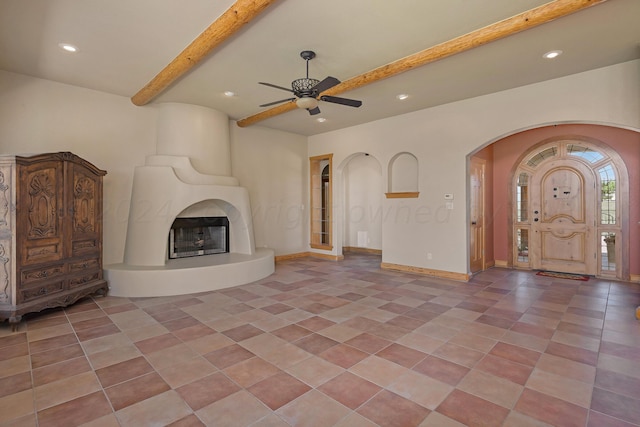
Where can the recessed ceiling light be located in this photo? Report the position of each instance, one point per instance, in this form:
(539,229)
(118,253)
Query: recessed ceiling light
(321,119)
(552,54)
(68,47)
(402,96)
(229,93)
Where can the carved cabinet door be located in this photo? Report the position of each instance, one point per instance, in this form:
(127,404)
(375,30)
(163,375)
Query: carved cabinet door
(86,207)
(41,229)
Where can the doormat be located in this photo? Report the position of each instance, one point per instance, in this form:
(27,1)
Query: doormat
(563,275)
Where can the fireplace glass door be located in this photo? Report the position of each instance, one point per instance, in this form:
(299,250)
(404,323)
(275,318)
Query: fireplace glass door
(198,236)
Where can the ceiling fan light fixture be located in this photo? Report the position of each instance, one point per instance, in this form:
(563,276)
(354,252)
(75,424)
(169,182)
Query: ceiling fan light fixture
(307,102)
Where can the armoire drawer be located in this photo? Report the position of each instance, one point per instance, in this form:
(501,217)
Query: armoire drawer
(42,273)
(84,265)
(83,279)
(35,292)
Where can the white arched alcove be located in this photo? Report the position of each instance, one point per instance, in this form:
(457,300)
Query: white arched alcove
(403,173)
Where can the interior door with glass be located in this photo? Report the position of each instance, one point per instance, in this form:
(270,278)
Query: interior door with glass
(476,215)
(563,211)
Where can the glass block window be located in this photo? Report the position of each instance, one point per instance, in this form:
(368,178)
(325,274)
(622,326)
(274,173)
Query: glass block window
(522,197)
(542,155)
(588,154)
(607,195)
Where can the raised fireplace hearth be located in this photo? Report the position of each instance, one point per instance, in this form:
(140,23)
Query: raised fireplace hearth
(199,236)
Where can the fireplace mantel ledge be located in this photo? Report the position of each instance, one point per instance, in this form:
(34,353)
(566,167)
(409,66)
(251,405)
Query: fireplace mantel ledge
(186,173)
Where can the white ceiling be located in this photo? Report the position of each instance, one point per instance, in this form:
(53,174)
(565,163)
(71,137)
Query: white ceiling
(125,43)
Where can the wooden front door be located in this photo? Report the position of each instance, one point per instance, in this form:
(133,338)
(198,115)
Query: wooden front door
(476,215)
(563,212)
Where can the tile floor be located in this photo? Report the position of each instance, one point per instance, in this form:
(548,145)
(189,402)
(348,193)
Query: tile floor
(323,343)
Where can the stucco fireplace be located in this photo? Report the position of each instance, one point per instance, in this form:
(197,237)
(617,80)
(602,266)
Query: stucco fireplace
(188,179)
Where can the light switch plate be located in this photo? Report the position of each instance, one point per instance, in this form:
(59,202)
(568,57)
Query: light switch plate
(448,196)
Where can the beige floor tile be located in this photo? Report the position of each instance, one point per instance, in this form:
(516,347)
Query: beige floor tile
(44,333)
(516,419)
(132,319)
(567,368)
(436,419)
(209,343)
(109,342)
(187,371)
(313,409)
(238,409)
(526,341)
(378,370)
(107,421)
(475,342)
(159,410)
(423,390)
(15,365)
(619,365)
(271,420)
(588,343)
(489,387)
(113,355)
(15,406)
(560,387)
(67,389)
(171,356)
(144,332)
(314,371)
(340,333)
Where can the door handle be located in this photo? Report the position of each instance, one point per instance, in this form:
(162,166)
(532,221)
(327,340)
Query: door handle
(473,223)
(535,219)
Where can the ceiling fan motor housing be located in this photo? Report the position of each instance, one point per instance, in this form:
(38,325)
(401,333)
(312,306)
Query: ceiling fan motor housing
(304,86)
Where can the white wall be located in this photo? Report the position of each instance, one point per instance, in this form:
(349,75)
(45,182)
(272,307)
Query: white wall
(443,136)
(274,166)
(39,116)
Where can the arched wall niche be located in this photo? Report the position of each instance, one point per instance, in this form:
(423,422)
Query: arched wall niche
(403,175)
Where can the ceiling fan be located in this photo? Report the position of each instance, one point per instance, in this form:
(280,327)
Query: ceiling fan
(307,90)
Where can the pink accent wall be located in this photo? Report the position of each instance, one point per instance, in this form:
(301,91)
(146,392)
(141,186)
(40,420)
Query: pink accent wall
(508,150)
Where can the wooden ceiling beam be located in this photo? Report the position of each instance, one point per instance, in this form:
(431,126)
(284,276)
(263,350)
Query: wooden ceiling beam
(517,23)
(241,13)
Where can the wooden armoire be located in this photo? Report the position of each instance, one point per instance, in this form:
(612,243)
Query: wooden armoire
(50,232)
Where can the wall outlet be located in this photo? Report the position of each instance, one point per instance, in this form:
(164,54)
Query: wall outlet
(429,255)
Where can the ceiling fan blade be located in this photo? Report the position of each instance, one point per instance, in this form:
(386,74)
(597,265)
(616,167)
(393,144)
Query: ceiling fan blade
(276,86)
(276,102)
(342,101)
(314,111)
(327,83)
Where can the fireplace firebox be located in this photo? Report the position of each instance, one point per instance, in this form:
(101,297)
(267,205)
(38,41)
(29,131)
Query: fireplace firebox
(190,237)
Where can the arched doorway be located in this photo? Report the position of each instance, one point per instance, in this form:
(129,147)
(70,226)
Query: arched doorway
(569,208)
(361,201)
